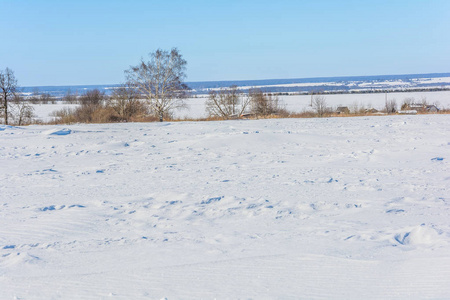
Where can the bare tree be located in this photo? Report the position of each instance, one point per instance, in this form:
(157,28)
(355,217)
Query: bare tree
(35,96)
(8,87)
(22,111)
(90,101)
(424,101)
(126,103)
(160,81)
(319,103)
(407,102)
(391,106)
(357,108)
(264,105)
(226,103)
(45,98)
(70,98)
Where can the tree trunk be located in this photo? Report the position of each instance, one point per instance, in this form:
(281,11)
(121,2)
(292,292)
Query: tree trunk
(6,108)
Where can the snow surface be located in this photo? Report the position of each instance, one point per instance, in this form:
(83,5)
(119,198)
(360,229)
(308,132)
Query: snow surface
(341,208)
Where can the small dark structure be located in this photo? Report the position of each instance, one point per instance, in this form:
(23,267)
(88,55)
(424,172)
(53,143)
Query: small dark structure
(343,110)
(423,108)
(431,108)
(371,111)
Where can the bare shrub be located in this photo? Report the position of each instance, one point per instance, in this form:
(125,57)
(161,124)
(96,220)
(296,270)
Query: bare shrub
(70,98)
(407,102)
(264,105)
(35,96)
(424,101)
(226,103)
(45,98)
(391,106)
(95,107)
(64,116)
(105,115)
(319,103)
(126,103)
(22,113)
(357,108)
(90,101)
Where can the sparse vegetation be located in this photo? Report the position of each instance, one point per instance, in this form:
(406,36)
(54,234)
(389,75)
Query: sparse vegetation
(265,104)
(70,98)
(227,103)
(391,106)
(154,89)
(22,113)
(126,103)
(319,104)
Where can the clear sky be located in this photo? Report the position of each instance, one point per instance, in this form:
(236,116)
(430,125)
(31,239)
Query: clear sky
(92,42)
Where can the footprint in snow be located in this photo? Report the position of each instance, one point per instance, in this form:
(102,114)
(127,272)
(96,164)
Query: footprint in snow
(54,207)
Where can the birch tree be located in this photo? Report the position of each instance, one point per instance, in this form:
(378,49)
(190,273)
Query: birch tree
(161,81)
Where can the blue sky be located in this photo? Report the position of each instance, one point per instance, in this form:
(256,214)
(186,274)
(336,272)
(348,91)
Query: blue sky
(93,42)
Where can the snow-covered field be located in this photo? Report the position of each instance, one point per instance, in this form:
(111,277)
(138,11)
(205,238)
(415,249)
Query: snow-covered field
(342,208)
(296,103)
(299,103)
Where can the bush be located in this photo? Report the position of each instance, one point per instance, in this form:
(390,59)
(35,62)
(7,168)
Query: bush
(89,103)
(226,103)
(391,106)
(264,105)
(407,102)
(126,103)
(64,116)
(105,115)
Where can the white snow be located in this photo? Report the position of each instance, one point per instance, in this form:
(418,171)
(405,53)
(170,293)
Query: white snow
(341,208)
(435,80)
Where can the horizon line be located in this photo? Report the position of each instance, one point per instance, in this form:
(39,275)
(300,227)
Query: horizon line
(244,80)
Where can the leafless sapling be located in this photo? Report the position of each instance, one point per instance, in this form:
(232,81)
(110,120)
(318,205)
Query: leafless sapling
(21,111)
(226,103)
(8,88)
(319,103)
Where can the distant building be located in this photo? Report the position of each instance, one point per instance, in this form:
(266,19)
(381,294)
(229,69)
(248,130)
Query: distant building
(418,107)
(431,108)
(371,111)
(343,110)
(422,108)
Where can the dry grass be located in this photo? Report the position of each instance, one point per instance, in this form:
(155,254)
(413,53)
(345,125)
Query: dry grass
(107,115)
